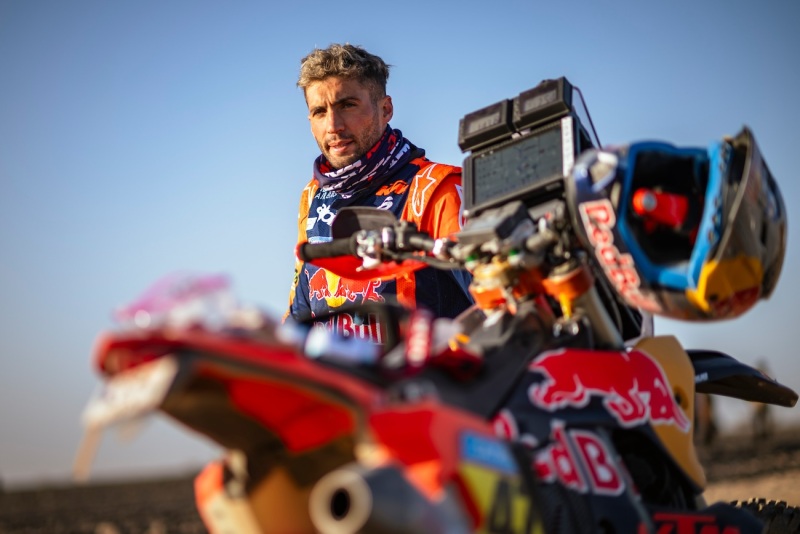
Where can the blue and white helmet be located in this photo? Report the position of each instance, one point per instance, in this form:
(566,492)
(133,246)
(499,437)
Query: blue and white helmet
(686,233)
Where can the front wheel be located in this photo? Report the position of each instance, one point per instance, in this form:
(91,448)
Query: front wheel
(778,517)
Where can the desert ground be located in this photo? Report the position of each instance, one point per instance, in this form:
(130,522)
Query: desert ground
(738,468)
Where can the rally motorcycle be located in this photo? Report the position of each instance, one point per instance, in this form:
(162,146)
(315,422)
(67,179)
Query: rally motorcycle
(549,406)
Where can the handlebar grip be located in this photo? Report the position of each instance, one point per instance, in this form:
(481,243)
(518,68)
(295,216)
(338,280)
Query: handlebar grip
(421,242)
(338,247)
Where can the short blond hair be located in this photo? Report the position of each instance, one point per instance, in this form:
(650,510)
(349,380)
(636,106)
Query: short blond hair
(345,61)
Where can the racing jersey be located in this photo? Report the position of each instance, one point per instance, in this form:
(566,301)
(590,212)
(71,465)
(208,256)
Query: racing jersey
(421,191)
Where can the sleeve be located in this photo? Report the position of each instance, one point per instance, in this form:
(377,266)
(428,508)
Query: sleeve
(443,216)
(302,211)
(297,306)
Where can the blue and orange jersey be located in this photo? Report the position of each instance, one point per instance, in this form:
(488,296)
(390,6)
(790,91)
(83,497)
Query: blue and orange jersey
(426,193)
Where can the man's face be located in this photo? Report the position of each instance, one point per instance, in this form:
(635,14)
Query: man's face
(344,119)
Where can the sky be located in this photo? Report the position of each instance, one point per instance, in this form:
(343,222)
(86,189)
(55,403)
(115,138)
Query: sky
(141,138)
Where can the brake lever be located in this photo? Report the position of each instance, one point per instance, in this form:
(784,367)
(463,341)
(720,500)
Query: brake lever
(370,246)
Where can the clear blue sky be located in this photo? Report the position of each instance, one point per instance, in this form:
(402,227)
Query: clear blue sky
(139,138)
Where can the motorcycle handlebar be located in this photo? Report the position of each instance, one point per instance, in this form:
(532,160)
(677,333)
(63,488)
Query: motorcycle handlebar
(396,240)
(345,246)
(421,242)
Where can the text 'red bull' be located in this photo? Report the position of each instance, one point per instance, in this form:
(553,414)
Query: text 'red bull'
(599,219)
(633,386)
(367,329)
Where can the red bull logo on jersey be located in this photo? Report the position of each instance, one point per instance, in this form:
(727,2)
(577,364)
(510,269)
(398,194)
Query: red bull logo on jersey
(336,291)
(633,386)
(367,329)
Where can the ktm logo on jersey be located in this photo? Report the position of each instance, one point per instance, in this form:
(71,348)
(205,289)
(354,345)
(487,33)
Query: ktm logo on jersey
(396,188)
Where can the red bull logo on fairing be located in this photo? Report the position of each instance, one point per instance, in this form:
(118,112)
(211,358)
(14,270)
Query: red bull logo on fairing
(633,386)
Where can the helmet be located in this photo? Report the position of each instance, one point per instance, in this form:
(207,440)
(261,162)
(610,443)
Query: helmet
(686,233)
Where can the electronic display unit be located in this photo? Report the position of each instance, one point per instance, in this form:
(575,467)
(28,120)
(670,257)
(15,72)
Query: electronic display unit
(522,148)
(529,167)
(486,126)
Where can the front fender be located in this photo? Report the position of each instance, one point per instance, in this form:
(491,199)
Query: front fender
(717,373)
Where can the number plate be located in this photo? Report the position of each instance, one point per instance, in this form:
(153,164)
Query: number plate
(132,393)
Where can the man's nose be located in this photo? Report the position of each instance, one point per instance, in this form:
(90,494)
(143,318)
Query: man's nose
(333,121)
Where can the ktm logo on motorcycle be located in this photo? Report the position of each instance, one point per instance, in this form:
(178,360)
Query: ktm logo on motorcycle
(633,386)
(690,523)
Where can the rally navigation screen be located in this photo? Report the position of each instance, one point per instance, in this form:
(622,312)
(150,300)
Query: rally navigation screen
(517,165)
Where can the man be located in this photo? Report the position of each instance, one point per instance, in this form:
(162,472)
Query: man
(365,162)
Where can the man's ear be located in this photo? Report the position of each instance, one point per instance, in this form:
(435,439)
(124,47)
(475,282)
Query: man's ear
(387,109)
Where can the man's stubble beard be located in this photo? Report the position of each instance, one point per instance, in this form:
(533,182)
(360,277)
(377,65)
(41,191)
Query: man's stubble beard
(363,143)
